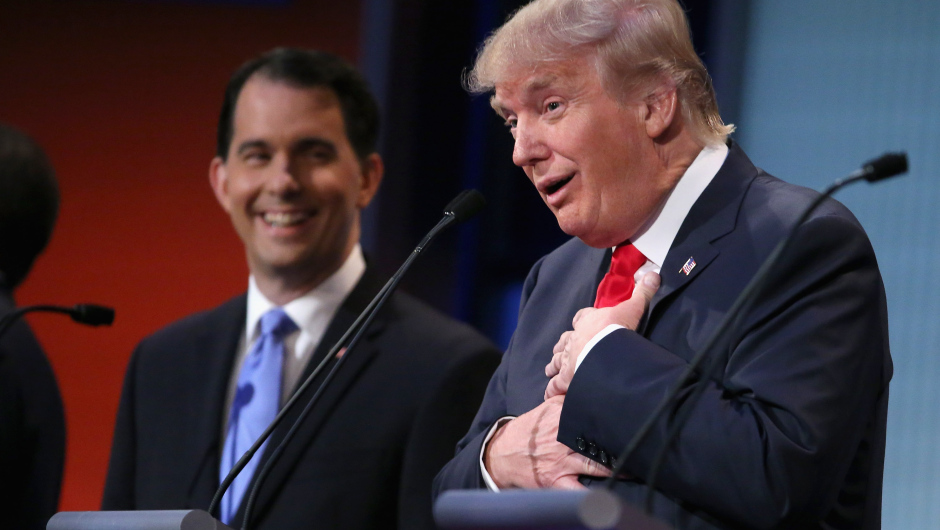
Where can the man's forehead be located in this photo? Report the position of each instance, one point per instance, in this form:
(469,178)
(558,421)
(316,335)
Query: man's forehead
(266,101)
(563,76)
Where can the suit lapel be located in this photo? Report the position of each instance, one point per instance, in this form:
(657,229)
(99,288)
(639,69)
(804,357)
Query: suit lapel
(358,359)
(712,216)
(212,358)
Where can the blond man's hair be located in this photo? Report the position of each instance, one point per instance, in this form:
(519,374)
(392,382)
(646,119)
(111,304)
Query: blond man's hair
(637,46)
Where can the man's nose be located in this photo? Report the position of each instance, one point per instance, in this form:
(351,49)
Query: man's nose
(530,147)
(285,176)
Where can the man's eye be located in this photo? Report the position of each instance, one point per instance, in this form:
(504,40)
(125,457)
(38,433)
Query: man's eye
(552,106)
(319,155)
(511,123)
(256,157)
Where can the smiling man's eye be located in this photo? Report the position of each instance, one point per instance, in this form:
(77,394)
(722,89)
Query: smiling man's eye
(554,105)
(318,153)
(256,157)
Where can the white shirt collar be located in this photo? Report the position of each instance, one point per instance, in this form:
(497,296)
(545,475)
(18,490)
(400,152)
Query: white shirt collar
(313,311)
(654,242)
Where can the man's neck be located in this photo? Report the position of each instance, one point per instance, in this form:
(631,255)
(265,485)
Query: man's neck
(677,151)
(283,287)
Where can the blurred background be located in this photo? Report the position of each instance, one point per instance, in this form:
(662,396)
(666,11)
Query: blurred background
(124,96)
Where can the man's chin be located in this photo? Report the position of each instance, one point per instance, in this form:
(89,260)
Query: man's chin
(591,237)
(576,228)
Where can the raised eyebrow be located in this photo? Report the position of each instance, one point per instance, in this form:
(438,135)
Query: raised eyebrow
(533,85)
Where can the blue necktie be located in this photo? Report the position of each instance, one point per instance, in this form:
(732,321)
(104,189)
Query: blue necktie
(257,399)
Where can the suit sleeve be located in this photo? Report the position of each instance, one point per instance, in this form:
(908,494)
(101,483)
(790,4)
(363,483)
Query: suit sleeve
(119,484)
(440,423)
(772,438)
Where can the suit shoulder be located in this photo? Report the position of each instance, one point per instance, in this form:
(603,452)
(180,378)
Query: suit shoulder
(574,258)
(787,201)
(420,323)
(185,329)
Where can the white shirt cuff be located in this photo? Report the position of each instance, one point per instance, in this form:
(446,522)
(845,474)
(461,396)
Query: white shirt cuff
(487,479)
(594,340)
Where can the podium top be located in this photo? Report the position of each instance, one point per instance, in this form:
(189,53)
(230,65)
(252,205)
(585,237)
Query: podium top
(592,509)
(136,520)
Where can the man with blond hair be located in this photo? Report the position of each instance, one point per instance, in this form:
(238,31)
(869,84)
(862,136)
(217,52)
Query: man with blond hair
(615,123)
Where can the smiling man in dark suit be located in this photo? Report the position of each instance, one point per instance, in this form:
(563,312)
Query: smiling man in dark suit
(616,125)
(296,164)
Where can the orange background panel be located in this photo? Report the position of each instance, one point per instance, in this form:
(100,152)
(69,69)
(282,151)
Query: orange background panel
(124,97)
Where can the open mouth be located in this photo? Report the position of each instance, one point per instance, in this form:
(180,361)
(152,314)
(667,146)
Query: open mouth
(552,188)
(284,219)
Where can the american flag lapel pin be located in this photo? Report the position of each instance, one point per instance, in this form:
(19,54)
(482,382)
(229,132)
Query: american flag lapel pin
(689,265)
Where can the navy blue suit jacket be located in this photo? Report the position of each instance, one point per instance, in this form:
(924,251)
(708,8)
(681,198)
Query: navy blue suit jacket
(791,433)
(363,459)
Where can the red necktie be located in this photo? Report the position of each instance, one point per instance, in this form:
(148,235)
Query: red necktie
(618,283)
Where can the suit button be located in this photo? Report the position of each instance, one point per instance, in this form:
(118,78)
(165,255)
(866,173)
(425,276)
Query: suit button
(605,458)
(592,449)
(579,442)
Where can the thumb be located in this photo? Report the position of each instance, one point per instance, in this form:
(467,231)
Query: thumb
(568,482)
(629,312)
(647,287)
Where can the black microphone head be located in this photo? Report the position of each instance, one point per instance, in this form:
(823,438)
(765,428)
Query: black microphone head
(92,315)
(885,166)
(465,205)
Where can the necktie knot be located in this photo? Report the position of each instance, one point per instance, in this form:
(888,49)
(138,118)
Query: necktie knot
(276,323)
(626,260)
(618,284)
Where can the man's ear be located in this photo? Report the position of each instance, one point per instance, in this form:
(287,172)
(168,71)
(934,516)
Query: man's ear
(218,179)
(661,106)
(373,169)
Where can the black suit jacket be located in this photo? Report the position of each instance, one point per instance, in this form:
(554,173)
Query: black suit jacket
(791,433)
(364,458)
(32,428)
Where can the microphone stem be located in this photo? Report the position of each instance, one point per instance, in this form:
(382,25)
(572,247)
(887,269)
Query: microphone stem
(12,317)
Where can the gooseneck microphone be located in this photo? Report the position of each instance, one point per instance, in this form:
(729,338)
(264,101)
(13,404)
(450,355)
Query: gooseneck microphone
(883,167)
(88,314)
(464,206)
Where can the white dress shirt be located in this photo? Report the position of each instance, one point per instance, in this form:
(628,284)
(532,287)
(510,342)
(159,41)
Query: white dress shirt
(312,313)
(653,240)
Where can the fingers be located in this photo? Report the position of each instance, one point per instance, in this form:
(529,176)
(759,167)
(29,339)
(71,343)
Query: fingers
(562,341)
(558,357)
(581,314)
(557,386)
(553,367)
